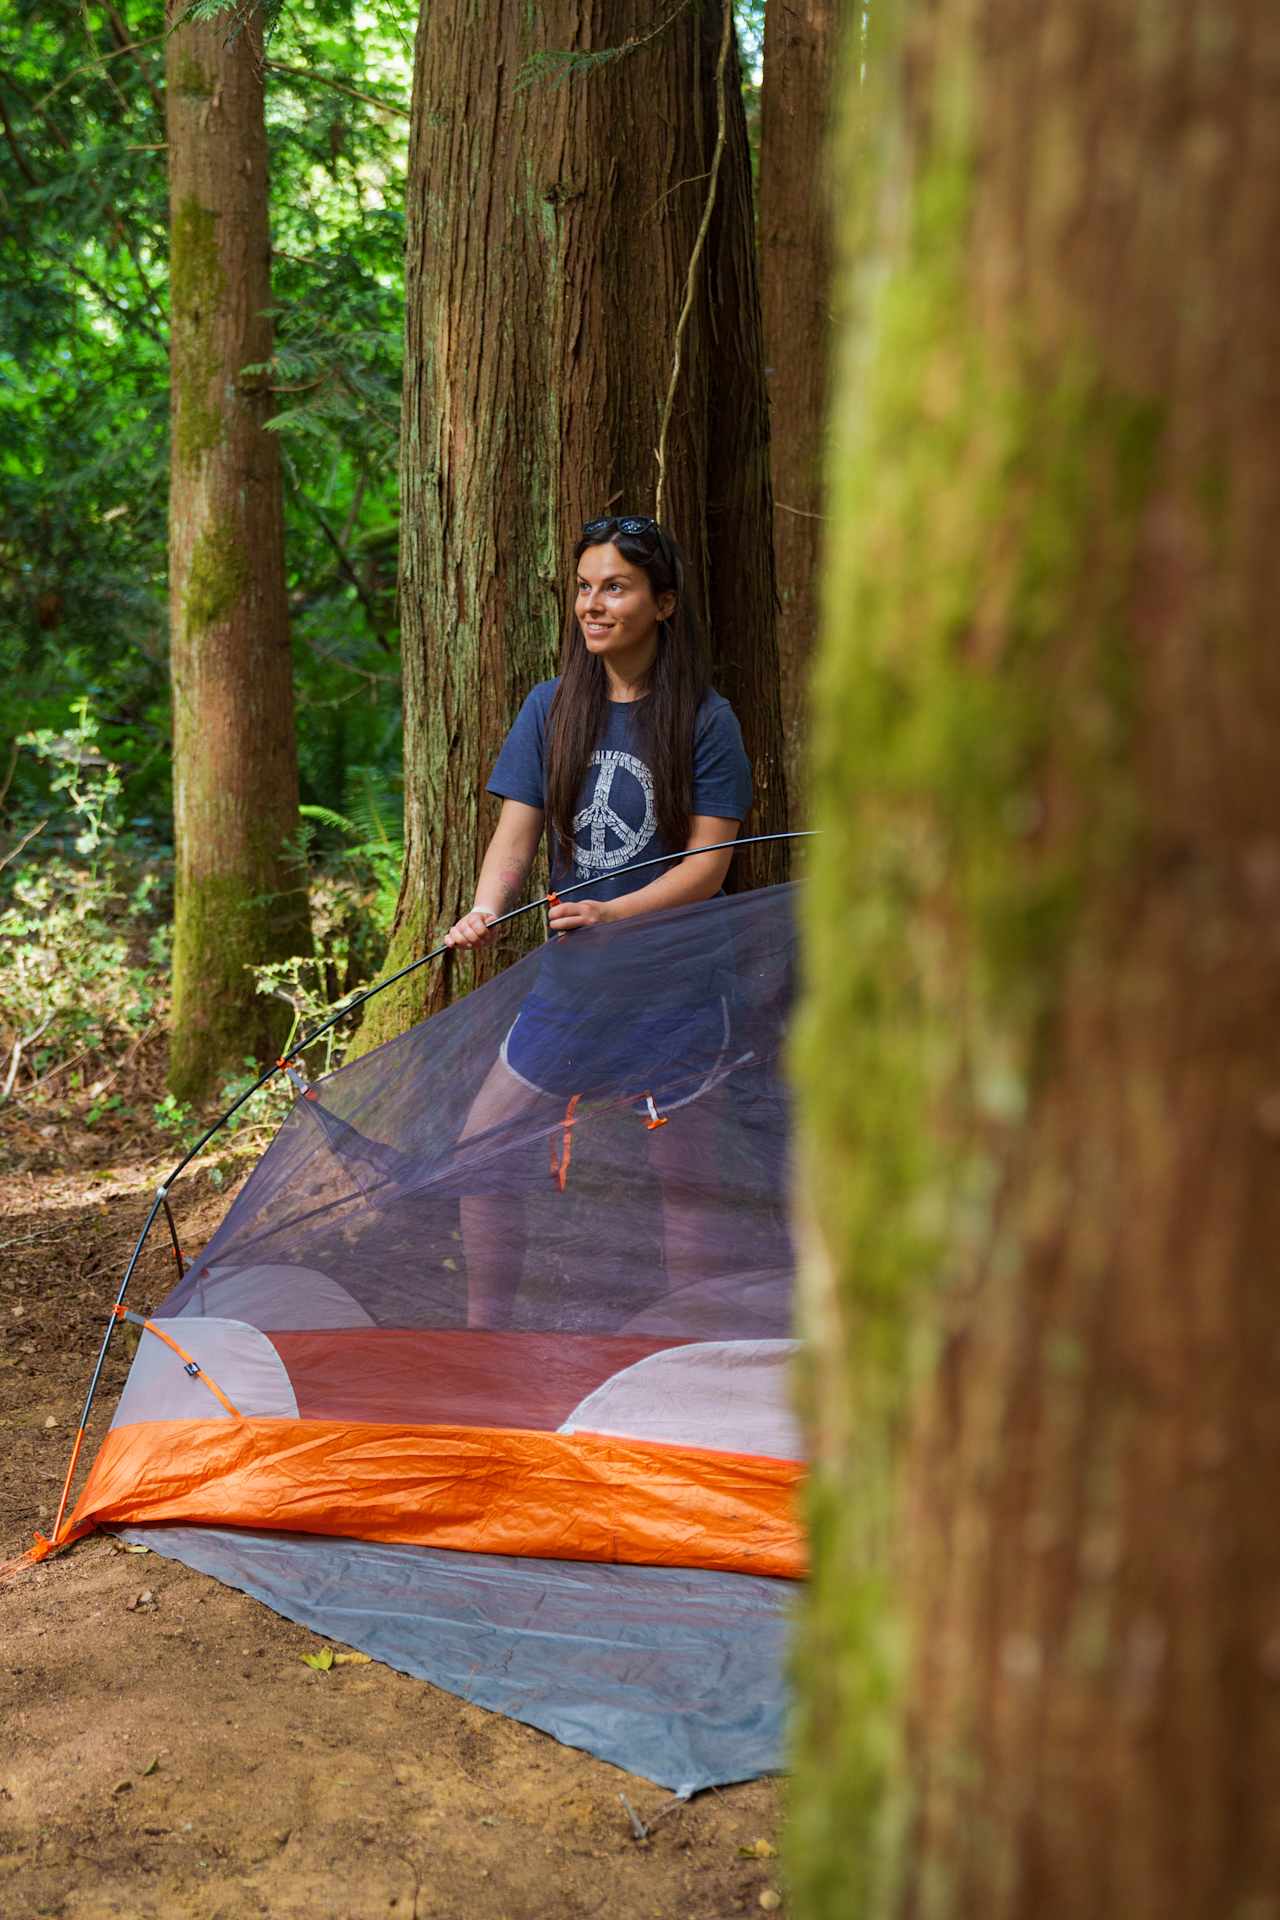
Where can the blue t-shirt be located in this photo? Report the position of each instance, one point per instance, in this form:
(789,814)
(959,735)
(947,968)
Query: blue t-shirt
(616,821)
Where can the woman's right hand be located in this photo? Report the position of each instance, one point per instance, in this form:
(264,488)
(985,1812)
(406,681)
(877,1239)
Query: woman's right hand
(475,929)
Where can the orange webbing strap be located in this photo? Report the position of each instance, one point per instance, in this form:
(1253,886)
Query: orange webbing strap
(560,1167)
(190,1366)
(48,1544)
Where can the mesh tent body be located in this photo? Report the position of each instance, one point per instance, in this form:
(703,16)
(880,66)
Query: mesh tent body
(512,1294)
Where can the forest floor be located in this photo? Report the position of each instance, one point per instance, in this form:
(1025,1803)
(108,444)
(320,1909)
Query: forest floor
(165,1750)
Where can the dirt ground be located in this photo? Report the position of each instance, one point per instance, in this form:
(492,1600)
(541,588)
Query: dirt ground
(164,1748)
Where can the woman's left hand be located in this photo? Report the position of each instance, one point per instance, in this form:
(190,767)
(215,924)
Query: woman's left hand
(568,915)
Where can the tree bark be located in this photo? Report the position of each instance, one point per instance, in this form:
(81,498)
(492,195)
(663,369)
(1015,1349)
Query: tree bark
(1038,1056)
(795,281)
(550,227)
(240,892)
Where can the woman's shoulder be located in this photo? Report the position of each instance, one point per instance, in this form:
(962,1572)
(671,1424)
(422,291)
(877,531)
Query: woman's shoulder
(536,704)
(714,711)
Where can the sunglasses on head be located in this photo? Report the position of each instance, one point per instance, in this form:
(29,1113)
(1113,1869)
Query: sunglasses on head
(630,524)
(635,526)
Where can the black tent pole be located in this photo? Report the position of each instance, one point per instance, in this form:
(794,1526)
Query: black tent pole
(308,1040)
(156,1205)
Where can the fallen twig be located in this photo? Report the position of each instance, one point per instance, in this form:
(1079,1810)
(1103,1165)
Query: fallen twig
(15,1060)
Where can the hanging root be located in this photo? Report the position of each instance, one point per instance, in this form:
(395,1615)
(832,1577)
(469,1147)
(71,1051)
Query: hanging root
(691,285)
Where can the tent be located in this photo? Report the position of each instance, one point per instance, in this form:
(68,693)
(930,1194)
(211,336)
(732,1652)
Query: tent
(486,1371)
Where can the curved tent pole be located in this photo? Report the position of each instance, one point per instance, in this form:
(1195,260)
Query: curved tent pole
(44,1546)
(162,1193)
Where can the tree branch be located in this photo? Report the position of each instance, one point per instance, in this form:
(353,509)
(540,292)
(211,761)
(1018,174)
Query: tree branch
(91,66)
(130,314)
(31,832)
(120,33)
(323,80)
(346,568)
(20,158)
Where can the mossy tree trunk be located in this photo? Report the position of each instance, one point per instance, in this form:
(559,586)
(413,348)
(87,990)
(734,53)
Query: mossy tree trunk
(795,280)
(240,893)
(1037,1060)
(550,228)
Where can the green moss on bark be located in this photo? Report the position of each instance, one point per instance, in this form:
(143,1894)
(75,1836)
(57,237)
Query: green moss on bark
(221,928)
(402,1006)
(972,716)
(192,79)
(197,287)
(219,576)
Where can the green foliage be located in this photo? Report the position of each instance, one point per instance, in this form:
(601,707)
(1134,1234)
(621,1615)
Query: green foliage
(84,377)
(304,984)
(82,943)
(233,14)
(83,396)
(173,1116)
(356,857)
(749,23)
(181,1119)
(554,65)
(371,832)
(353,897)
(85,936)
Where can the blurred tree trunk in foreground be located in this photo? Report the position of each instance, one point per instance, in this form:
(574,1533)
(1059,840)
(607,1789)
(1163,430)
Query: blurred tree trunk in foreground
(240,895)
(795,285)
(1038,1059)
(550,226)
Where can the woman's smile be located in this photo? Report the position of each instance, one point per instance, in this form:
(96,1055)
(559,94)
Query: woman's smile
(618,615)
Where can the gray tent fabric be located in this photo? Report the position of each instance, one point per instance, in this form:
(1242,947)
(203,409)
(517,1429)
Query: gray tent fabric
(673,1673)
(541,1308)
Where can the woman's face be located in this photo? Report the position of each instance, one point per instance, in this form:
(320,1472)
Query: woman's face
(616,608)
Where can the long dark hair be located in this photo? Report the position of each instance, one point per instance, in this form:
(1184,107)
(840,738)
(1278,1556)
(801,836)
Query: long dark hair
(674,689)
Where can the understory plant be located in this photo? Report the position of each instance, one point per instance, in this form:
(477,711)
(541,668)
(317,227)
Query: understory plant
(85,938)
(83,933)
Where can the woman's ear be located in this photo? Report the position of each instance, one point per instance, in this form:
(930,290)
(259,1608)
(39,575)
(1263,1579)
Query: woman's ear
(666,604)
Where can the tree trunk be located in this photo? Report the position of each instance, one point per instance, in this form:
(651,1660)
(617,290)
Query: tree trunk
(1038,1056)
(795,279)
(550,228)
(240,892)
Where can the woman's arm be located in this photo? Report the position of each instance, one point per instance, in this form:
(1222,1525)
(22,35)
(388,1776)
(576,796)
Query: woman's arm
(503,872)
(679,886)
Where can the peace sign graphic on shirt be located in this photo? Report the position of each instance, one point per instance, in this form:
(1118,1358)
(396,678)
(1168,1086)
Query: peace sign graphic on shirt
(606,822)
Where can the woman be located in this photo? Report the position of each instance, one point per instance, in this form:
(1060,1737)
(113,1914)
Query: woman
(627,756)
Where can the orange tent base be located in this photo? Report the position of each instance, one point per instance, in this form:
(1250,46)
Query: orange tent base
(481,1489)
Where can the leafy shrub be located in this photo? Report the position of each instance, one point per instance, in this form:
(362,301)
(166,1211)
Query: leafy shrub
(85,936)
(82,941)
